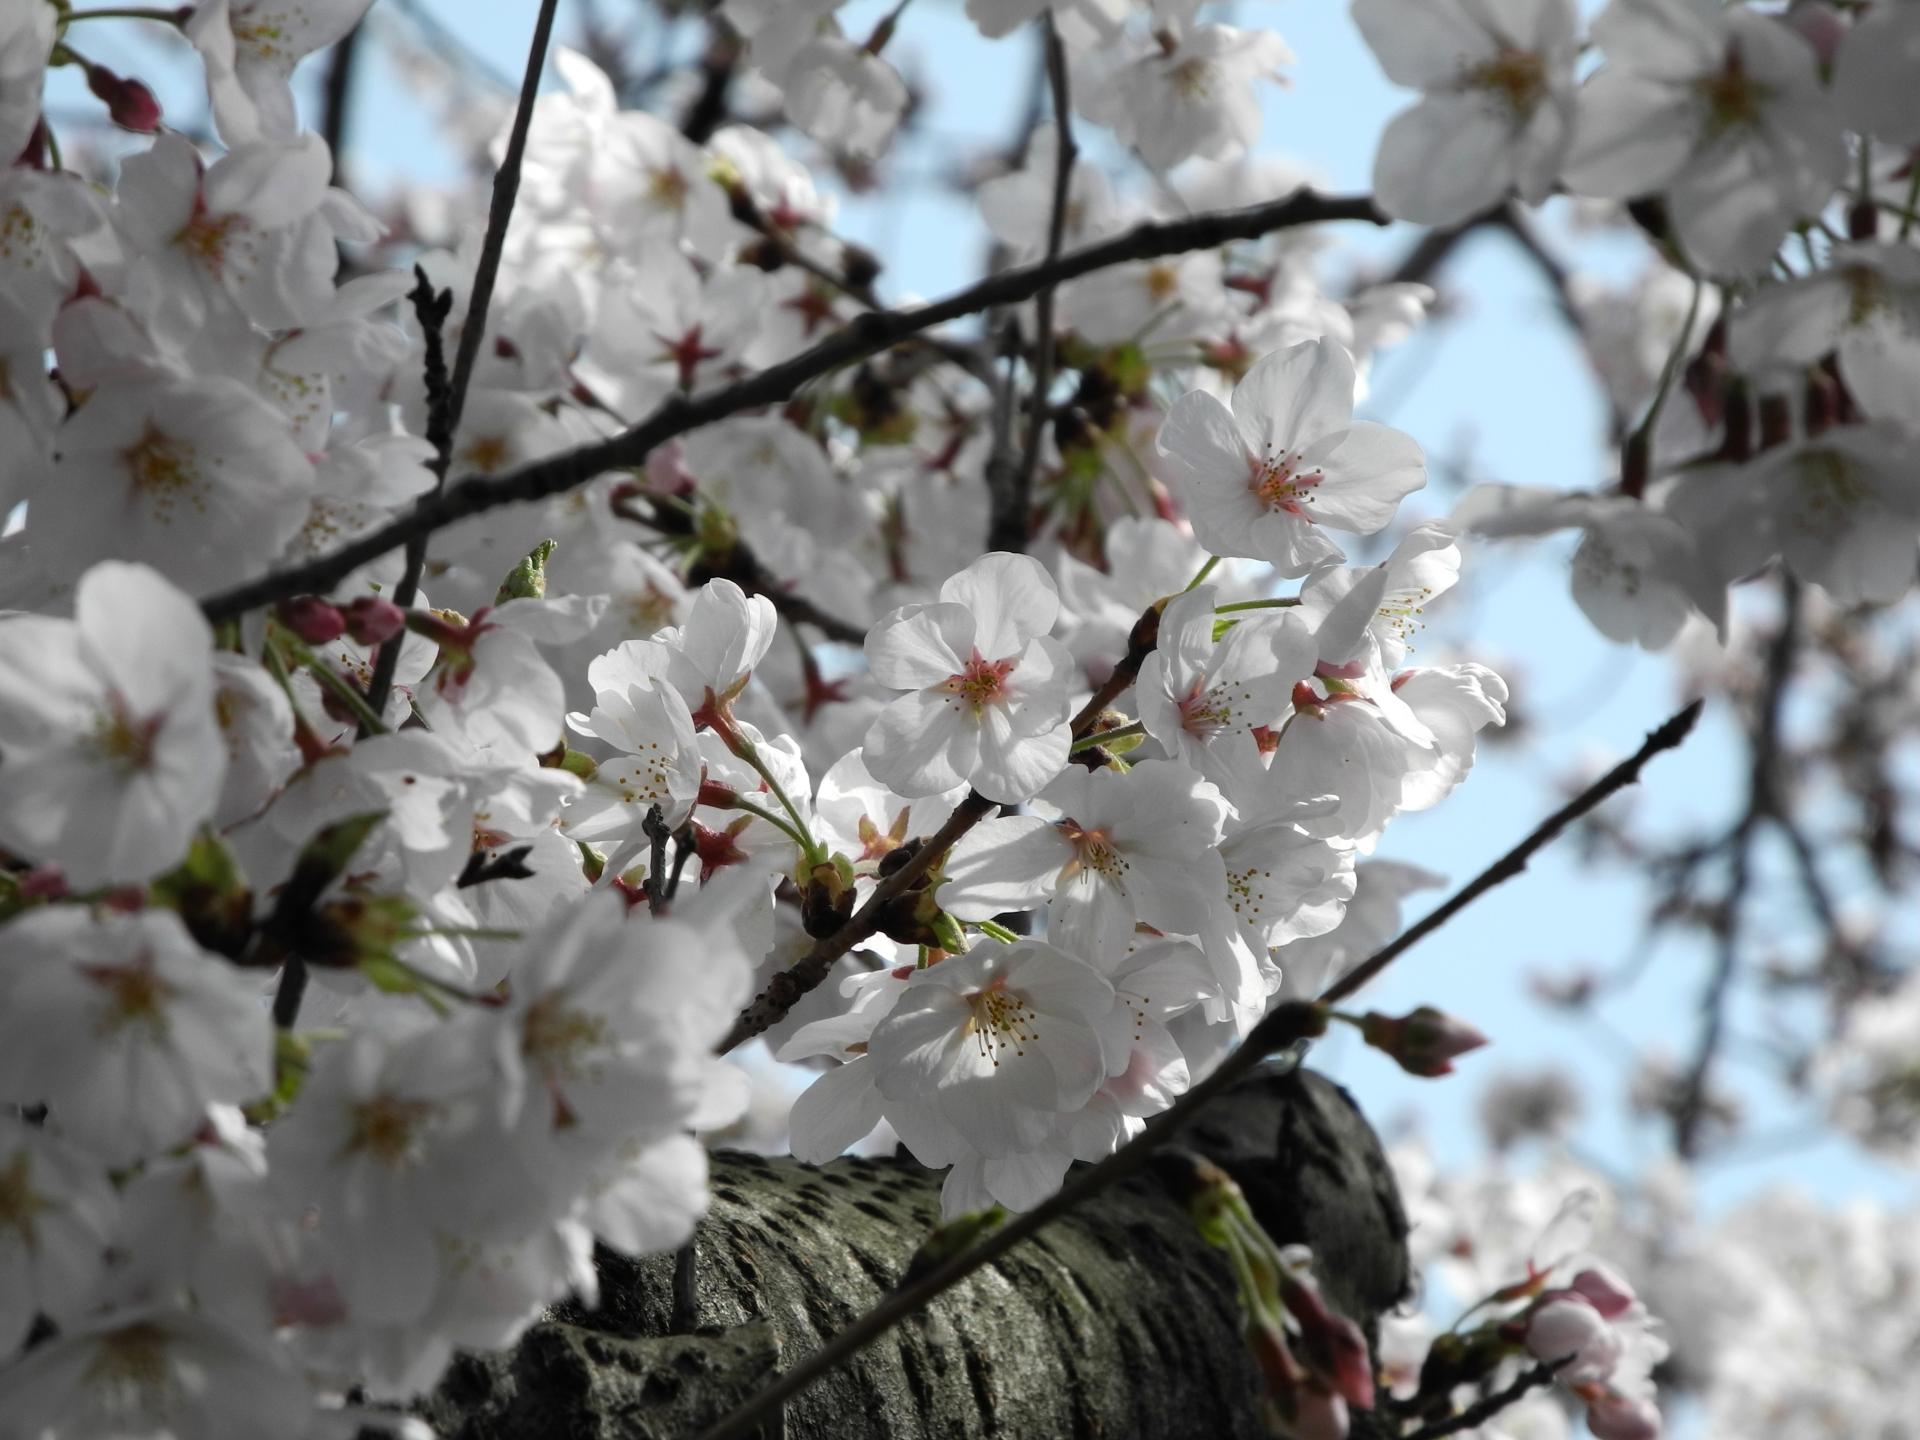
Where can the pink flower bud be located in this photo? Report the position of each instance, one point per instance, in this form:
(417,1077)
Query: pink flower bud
(1613,1416)
(129,102)
(1606,1290)
(312,619)
(374,621)
(1568,1325)
(1423,1041)
(1332,1344)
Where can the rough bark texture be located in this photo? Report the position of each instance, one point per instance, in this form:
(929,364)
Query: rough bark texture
(1115,1322)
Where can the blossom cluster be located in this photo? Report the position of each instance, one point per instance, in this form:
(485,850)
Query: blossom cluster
(366,957)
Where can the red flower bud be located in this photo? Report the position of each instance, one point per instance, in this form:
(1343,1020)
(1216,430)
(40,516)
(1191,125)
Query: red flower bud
(1423,1041)
(129,102)
(374,621)
(314,620)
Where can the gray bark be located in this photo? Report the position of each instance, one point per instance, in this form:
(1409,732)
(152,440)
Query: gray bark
(1117,1321)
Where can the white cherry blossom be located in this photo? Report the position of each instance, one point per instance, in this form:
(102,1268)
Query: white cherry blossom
(988,690)
(1497,113)
(110,754)
(1263,478)
(1722,110)
(127,1029)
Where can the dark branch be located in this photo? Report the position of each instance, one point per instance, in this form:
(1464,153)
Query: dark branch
(1690,1106)
(743,567)
(1667,737)
(444,423)
(866,335)
(1485,1408)
(1014,506)
(1285,1025)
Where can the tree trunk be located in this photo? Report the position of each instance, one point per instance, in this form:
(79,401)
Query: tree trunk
(1117,1321)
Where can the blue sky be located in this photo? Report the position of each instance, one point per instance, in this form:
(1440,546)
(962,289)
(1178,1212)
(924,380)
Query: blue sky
(1501,382)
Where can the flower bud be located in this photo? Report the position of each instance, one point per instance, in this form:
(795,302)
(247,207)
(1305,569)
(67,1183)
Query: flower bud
(374,621)
(1604,1289)
(1567,1325)
(1613,1416)
(1424,1041)
(130,103)
(314,620)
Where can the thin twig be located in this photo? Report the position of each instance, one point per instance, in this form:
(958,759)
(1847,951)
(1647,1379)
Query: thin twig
(430,309)
(446,416)
(1763,801)
(865,335)
(1283,1026)
(1485,1408)
(1515,860)
(743,567)
(1010,529)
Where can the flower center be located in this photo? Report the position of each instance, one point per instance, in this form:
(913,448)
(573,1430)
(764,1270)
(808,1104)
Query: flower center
(1279,484)
(555,1038)
(1000,1020)
(209,239)
(163,469)
(1092,850)
(131,1368)
(1205,713)
(1193,78)
(124,738)
(1733,97)
(982,683)
(1831,488)
(387,1128)
(668,189)
(1518,78)
(135,995)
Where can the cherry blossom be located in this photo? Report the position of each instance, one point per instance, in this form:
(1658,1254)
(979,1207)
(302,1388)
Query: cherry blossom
(1263,478)
(135,1030)
(1497,114)
(110,754)
(199,479)
(1723,111)
(988,690)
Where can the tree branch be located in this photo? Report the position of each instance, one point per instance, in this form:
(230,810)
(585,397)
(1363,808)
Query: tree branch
(1284,1025)
(1485,1408)
(1013,504)
(1763,801)
(743,567)
(1667,737)
(506,189)
(865,335)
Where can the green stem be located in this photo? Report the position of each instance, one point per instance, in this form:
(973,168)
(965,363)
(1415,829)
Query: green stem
(1642,437)
(1276,604)
(1101,737)
(740,803)
(803,837)
(994,931)
(343,690)
(1201,574)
